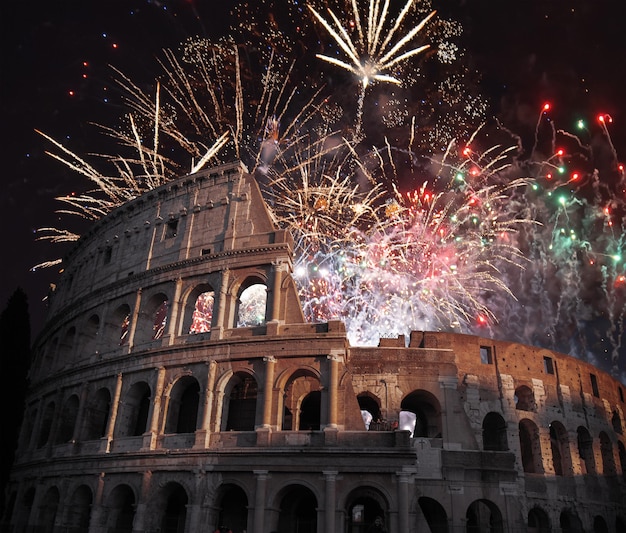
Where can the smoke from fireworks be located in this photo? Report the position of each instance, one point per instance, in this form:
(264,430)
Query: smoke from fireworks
(403,218)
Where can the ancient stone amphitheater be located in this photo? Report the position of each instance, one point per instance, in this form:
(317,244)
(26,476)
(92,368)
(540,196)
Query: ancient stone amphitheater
(177,387)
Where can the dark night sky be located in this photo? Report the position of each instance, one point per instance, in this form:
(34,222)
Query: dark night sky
(570,52)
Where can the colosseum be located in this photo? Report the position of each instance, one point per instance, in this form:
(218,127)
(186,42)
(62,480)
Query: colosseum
(177,387)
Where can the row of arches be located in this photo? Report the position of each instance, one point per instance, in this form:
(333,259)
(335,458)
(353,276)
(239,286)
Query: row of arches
(152,322)
(494,436)
(293,507)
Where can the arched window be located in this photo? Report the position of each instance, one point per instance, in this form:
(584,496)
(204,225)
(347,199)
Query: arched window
(120,509)
(252,306)
(89,336)
(530,447)
(232,504)
(182,412)
(483,515)
(370,409)
(97,415)
(297,389)
(48,509)
(133,415)
(160,319)
(616,421)
(79,510)
(298,510)
(585,450)
(570,523)
(494,433)
(67,422)
(202,314)
(606,450)
(600,525)
(66,348)
(559,446)
(174,508)
(538,521)
(427,413)
(310,411)
(241,407)
(434,514)
(524,398)
(46,425)
(152,322)
(116,327)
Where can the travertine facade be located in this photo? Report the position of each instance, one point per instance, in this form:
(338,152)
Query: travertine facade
(176,388)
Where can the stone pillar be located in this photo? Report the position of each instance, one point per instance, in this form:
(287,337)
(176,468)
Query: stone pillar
(220,321)
(34,434)
(545,448)
(330,500)
(333,380)
(264,431)
(134,318)
(115,406)
(150,440)
(259,500)
(80,415)
(98,518)
(403,501)
(278,268)
(174,311)
(140,522)
(203,435)
(447,383)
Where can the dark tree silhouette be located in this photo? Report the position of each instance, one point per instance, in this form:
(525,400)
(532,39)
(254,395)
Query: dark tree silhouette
(15,358)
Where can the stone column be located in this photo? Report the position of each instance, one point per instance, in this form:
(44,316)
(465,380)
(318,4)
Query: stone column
(259,500)
(203,435)
(330,500)
(134,317)
(449,436)
(174,310)
(333,380)
(115,406)
(270,363)
(150,440)
(403,501)
(278,268)
(140,522)
(80,415)
(98,518)
(220,321)
(546,451)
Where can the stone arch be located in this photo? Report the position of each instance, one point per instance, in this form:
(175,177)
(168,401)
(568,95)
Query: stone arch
(89,336)
(494,433)
(363,506)
(616,422)
(134,410)
(435,514)
(427,412)
(524,398)
(600,525)
(28,426)
(569,522)
(25,509)
(183,406)
(78,511)
(67,420)
(153,318)
(620,523)
(240,405)
(231,504)
(251,308)
(170,508)
(117,326)
(46,424)
(606,451)
(199,309)
(97,414)
(48,510)
(585,450)
(530,447)
(559,446)
(120,506)
(369,404)
(48,358)
(538,521)
(297,509)
(67,346)
(483,515)
(298,385)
